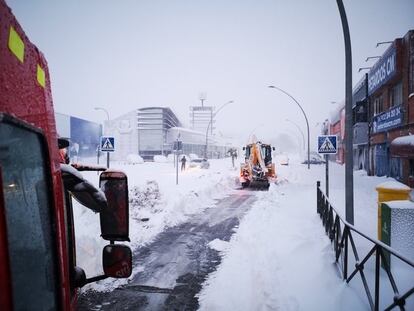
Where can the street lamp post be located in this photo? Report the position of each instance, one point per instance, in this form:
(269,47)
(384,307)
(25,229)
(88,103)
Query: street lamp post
(301,132)
(304,114)
(349,160)
(372,57)
(364,68)
(107,115)
(208,126)
(384,42)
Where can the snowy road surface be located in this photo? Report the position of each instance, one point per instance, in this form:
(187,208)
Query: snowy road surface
(198,249)
(174,266)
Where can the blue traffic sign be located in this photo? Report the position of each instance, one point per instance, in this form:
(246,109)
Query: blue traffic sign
(327,144)
(107,143)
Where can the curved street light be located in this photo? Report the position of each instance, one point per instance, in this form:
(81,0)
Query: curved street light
(103,109)
(349,154)
(299,129)
(304,114)
(211,120)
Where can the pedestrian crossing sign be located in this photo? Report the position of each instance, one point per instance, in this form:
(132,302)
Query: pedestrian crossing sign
(327,144)
(107,143)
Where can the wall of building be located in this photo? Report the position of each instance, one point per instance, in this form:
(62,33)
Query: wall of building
(124,130)
(84,135)
(390,113)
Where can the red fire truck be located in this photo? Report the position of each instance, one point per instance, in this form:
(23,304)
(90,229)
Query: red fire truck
(38,268)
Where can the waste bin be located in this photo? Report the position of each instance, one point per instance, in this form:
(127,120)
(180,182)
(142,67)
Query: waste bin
(397,227)
(390,191)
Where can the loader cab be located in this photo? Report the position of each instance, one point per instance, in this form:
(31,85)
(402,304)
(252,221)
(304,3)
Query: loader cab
(266,151)
(247,151)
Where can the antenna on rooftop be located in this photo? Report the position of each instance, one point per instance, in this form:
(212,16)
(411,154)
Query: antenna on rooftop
(202,97)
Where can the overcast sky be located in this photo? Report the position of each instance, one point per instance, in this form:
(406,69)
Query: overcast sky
(126,54)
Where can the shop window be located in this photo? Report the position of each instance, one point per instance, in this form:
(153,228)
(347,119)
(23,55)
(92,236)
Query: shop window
(395,95)
(378,105)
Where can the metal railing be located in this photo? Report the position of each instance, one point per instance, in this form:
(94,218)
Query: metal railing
(340,232)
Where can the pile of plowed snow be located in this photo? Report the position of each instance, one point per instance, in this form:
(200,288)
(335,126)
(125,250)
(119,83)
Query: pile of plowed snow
(155,203)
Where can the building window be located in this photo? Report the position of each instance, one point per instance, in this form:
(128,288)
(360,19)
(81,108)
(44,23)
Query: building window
(396,95)
(378,105)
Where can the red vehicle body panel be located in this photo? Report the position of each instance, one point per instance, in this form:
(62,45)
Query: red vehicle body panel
(23,96)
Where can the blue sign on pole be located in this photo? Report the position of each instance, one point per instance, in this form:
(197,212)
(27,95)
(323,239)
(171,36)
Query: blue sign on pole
(387,120)
(327,144)
(107,143)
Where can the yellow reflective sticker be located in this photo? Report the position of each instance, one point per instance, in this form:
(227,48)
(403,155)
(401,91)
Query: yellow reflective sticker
(16,44)
(41,76)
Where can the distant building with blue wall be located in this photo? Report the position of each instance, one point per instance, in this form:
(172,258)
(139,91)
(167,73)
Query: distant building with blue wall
(84,135)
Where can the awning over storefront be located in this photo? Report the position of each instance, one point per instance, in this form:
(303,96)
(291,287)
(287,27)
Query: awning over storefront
(403,147)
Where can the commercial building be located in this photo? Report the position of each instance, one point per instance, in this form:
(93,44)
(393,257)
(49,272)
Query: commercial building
(152,131)
(153,125)
(201,117)
(195,142)
(360,124)
(391,106)
(383,115)
(84,135)
(142,131)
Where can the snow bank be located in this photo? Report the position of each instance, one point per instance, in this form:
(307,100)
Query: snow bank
(279,259)
(156,203)
(134,159)
(160,159)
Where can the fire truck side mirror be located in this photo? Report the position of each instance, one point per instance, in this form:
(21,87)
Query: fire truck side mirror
(117,261)
(115,219)
(244,148)
(273,148)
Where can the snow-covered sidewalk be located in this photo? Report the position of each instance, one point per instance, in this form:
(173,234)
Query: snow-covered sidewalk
(280,257)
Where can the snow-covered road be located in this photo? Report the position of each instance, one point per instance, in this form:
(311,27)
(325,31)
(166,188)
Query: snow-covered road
(172,268)
(192,252)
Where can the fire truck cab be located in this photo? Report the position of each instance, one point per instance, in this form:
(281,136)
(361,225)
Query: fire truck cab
(38,268)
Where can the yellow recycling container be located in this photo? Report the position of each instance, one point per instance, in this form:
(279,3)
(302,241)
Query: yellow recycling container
(390,191)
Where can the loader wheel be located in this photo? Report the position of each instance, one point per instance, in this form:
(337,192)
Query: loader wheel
(244,184)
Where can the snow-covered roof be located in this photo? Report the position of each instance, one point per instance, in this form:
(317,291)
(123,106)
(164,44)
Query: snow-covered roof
(404,140)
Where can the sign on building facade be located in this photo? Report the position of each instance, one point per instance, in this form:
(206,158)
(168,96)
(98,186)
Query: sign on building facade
(387,120)
(383,70)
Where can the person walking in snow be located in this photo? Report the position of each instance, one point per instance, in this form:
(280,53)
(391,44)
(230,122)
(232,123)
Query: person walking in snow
(183,160)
